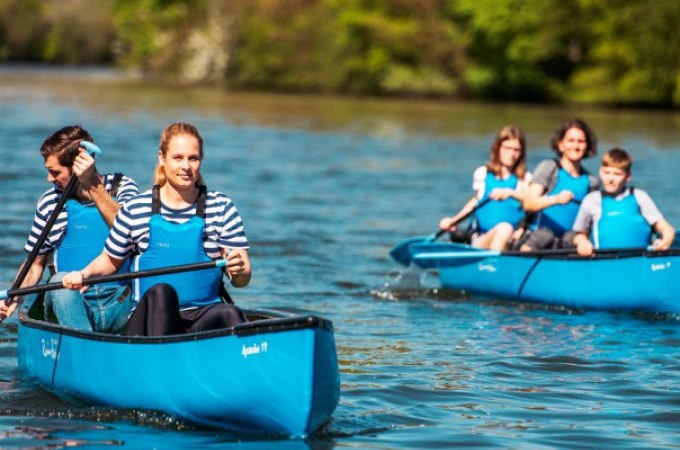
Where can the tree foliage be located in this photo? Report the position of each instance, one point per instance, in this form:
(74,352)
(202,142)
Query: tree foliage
(593,51)
(634,56)
(65,31)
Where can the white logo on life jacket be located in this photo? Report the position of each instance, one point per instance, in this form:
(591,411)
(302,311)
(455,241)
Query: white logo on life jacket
(163,244)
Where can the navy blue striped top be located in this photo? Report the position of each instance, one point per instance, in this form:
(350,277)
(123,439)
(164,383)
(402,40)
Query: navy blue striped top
(127,189)
(130,231)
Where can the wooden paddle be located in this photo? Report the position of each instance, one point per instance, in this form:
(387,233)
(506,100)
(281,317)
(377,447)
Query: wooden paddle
(115,277)
(401,253)
(68,191)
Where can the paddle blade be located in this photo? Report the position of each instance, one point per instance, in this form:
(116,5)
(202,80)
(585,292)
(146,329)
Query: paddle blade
(91,148)
(435,258)
(401,252)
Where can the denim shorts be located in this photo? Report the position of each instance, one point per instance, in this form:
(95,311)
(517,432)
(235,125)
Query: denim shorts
(104,308)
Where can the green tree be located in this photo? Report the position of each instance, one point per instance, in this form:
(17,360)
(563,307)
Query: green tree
(20,40)
(279,45)
(522,49)
(67,31)
(393,46)
(184,39)
(635,56)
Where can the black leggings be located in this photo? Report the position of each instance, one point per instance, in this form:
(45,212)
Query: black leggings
(158,314)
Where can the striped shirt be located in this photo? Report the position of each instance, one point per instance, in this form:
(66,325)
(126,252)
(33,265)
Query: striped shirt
(127,189)
(130,231)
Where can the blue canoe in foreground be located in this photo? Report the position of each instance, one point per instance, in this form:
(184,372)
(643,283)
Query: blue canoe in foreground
(276,374)
(632,279)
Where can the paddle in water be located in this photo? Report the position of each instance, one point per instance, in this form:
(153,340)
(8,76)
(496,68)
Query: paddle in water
(401,252)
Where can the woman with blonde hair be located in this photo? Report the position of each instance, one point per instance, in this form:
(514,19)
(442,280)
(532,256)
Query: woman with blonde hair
(177,222)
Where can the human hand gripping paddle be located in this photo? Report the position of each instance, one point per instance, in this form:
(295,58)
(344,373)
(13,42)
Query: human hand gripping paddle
(401,252)
(93,150)
(115,277)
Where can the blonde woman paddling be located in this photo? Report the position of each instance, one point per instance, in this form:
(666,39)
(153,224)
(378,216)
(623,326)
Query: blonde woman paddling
(177,222)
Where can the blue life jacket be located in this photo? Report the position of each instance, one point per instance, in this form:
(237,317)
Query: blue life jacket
(497,211)
(560,218)
(173,244)
(621,224)
(84,237)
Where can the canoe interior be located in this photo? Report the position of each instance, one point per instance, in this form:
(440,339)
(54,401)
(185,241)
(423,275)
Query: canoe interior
(31,314)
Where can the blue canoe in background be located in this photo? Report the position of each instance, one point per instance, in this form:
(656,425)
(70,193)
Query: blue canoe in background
(276,374)
(633,279)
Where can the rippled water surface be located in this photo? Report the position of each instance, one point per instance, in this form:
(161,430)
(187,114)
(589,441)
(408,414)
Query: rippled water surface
(326,187)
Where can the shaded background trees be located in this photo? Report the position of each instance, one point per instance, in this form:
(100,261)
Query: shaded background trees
(593,51)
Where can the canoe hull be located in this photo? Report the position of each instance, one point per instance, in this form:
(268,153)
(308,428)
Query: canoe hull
(275,376)
(635,279)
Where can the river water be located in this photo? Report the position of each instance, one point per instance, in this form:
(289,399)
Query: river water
(326,187)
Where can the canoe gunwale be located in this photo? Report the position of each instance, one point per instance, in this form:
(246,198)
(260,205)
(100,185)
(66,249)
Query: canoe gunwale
(599,254)
(562,253)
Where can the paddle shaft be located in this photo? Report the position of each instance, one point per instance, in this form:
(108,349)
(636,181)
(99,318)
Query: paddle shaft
(70,187)
(465,216)
(472,211)
(115,277)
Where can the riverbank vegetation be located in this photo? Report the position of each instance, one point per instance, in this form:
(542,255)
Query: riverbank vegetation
(614,52)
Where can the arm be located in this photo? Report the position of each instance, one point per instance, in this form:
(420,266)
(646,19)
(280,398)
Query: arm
(90,184)
(653,216)
(106,205)
(583,245)
(35,273)
(583,223)
(667,233)
(104,264)
(238,266)
(504,193)
(534,200)
(449,223)
(234,243)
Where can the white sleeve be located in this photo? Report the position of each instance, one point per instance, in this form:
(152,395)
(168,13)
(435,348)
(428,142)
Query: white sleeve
(587,212)
(523,184)
(647,206)
(479,181)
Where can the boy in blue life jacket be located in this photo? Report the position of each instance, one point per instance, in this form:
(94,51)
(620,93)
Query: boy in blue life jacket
(618,215)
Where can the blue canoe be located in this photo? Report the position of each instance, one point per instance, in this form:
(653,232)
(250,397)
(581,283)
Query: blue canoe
(632,279)
(276,374)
